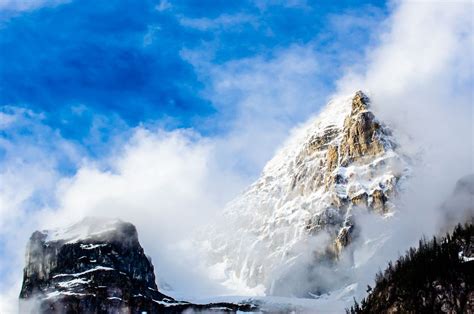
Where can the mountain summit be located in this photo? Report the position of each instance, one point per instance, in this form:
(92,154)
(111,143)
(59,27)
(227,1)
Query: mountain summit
(93,264)
(303,205)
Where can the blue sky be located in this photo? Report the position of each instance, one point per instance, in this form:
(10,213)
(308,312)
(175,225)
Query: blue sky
(124,59)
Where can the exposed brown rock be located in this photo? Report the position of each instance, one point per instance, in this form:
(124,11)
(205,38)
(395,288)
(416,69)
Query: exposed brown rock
(389,187)
(318,143)
(361,133)
(359,103)
(321,141)
(339,202)
(343,239)
(360,200)
(331,158)
(300,183)
(378,200)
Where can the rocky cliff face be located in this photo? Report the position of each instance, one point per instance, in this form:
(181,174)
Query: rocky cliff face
(95,266)
(342,162)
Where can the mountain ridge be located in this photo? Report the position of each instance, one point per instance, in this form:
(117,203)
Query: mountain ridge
(339,161)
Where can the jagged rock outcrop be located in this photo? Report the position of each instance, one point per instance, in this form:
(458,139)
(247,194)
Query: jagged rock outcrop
(363,136)
(96,266)
(362,140)
(341,162)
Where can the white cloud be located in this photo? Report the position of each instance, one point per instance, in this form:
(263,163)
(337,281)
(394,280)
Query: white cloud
(263,5)
(166,183)
(261,99)
(28,5)
(150,34)
(223,21)
(163,5)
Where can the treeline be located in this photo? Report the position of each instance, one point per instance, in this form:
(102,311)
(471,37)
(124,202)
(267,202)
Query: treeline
(437,277)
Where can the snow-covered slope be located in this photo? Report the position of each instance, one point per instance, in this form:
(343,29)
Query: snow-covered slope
(89,227)
(301,209)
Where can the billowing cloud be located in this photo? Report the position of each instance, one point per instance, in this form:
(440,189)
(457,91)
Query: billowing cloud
(261,99)
(420,77)
(166,183)
(31,156)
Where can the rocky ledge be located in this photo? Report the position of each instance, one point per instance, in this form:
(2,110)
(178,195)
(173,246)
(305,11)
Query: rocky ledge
(97,266)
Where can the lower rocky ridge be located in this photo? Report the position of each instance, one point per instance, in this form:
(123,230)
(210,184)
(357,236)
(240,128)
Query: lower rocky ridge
(97,266)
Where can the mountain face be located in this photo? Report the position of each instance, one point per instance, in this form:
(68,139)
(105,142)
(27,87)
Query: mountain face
(96,266)
(343,162)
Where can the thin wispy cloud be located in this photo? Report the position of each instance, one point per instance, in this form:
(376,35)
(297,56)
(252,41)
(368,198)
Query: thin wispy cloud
(224,21)
(163,5)
(29,5)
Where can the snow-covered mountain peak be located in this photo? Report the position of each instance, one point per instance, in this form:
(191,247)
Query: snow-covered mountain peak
(320,129)
(89,227)
(340,161)
(331,116)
